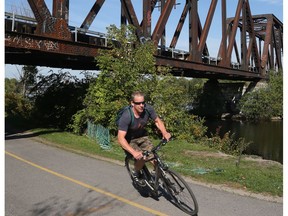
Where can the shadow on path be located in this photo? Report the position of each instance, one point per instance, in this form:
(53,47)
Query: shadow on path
(12,132)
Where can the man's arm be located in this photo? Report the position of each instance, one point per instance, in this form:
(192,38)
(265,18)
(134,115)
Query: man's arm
(125,145)
(160,125)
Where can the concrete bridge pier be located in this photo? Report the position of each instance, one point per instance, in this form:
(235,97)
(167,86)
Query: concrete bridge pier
(220,99)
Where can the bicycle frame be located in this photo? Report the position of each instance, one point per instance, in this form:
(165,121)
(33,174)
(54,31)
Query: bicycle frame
(159,168)
(172,183)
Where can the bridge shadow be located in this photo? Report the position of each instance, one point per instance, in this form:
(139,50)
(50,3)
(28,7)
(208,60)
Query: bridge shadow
(13,132)
(87,205)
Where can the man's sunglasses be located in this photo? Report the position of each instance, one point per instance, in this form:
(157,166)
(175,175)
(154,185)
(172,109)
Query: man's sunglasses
(138,103)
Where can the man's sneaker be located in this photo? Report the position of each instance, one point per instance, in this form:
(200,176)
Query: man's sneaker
(137,178)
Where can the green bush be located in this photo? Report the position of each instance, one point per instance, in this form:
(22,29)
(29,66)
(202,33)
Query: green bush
(133,68)
(265,102)
(171,99)
(228,143)
(61,96)
(17,106)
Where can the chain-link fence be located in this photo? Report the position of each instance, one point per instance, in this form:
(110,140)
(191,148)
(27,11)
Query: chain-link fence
(100,134)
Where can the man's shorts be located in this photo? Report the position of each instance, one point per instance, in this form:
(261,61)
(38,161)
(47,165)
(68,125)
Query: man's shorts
(141,144)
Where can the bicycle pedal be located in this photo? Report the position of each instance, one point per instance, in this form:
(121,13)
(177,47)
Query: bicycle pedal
(141,184)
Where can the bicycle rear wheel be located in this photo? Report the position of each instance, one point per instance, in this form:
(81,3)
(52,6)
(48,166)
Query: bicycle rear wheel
(144,172)
(129,163)
(148,187)
(181,193)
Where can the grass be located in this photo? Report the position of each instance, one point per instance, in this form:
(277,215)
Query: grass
(194,160)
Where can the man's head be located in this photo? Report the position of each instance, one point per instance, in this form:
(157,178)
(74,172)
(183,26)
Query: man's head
(138,101)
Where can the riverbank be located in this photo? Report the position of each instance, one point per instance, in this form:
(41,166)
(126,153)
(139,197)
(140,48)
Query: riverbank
(197,162)
(266,137)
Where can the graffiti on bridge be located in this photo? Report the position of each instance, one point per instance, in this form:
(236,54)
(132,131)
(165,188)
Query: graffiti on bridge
(30,43)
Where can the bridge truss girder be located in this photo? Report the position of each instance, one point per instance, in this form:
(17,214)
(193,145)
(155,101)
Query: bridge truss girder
(253,61)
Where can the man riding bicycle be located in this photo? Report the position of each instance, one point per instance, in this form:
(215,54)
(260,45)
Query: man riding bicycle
(133,138)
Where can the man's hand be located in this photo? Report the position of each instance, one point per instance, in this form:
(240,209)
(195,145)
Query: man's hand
(138,155)
(160,125)
(167,136)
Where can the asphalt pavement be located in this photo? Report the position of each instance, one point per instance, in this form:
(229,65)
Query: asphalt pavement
(45,180)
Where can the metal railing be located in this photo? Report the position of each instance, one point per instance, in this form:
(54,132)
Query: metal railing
(173,53)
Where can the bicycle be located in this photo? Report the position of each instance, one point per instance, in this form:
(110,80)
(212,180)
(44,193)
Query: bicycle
(164,178)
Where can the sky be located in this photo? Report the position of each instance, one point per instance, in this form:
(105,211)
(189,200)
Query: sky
(110,14)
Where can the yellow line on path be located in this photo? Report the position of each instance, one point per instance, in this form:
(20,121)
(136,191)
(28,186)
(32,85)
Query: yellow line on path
(88,186)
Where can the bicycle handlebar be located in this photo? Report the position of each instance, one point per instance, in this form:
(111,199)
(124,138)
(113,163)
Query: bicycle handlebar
(163,142)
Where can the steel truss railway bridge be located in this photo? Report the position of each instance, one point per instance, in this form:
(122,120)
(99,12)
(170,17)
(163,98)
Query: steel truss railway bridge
(47,39)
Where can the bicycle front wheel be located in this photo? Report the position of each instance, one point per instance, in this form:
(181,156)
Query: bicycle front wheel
(180,192)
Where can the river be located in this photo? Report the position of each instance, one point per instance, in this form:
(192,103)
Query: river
(267,137)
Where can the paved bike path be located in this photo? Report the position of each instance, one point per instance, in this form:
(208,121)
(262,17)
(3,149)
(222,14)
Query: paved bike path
(43,179)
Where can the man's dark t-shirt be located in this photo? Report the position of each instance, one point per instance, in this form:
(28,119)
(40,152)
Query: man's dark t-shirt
(138,128)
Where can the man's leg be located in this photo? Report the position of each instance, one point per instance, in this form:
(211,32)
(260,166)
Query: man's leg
(141,144)
(139,164)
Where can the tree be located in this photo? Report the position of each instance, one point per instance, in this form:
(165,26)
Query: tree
(172,100)
(12,86)
(125,67)
(15,104)
(276,93)
(28,77)
(61,96)
(265,102)
(128,66)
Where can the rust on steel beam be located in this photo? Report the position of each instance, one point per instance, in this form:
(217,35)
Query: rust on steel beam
(180,24)
(244,65)
(274,28)
(269,29)
(205,31)
(41,12)
(92,14)
(237,52)
(31,42)
(205,50)
(223,47)
(250,52)
(271,52)
(278,44)
(252,48)
(264,27)
(163,36)
(146,23)
(130,15)
(271,34)
(61,9)
(46,23)
(161,23)
(193,32)
(226,61)
(123,19)
(148,8)
(179,27)
(196,69)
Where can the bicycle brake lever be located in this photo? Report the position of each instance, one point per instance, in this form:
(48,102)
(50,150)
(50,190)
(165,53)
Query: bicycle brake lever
(145,153)
(165,141)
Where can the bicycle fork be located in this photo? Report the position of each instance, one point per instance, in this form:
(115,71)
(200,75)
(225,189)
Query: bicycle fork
(152,181)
